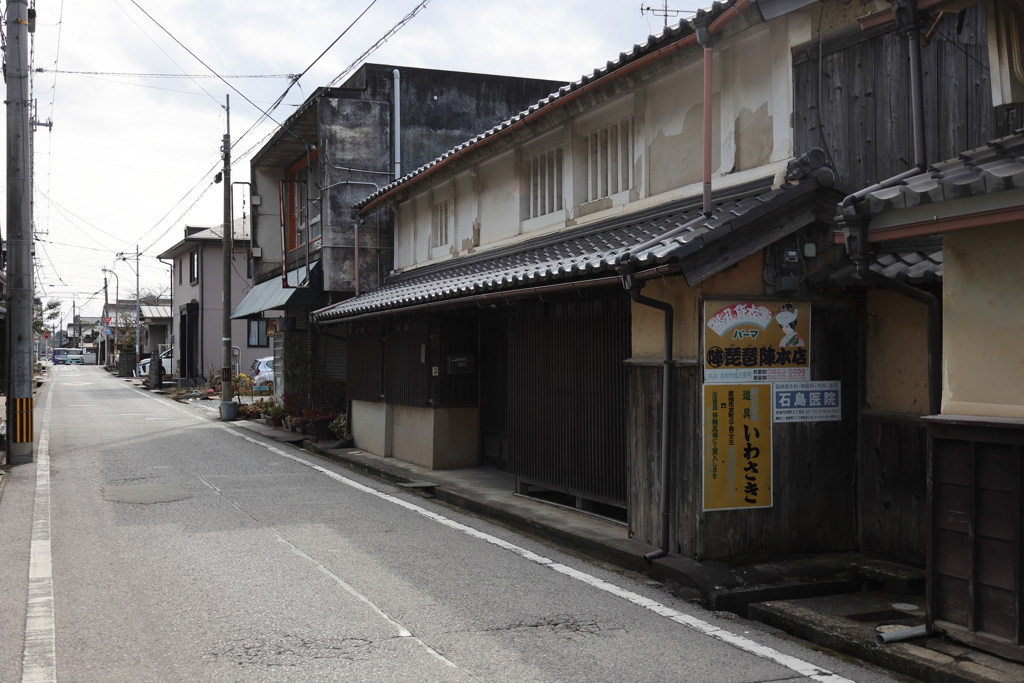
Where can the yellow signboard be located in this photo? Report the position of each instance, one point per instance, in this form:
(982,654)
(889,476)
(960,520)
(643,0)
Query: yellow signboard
(757,341)
(737,446)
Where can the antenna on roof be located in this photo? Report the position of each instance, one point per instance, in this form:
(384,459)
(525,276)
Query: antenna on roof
(664,11)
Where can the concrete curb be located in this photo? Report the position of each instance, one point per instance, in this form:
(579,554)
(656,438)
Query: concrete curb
(921,663)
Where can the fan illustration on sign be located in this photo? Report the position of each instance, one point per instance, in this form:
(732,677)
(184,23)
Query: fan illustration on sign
(732,318)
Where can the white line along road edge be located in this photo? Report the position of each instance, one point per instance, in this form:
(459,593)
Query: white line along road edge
(746,644)
(39,659)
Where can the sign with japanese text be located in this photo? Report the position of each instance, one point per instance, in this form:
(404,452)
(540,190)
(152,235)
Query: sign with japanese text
(757,341)
(805,401)
(737,446)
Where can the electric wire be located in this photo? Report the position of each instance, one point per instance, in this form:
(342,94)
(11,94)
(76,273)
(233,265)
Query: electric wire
(162,50)
(373,48)
(143,75)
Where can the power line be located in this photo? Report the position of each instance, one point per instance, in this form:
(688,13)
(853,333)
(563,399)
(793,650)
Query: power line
(141,75)
(387,36)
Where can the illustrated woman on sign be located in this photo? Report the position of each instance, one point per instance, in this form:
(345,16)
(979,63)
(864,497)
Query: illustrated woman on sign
(786,317)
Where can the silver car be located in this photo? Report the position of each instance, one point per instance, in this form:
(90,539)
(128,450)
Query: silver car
(263,371)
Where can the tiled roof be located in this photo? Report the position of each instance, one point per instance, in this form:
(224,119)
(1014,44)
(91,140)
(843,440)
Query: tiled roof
(576,253)
(996,167)
(653,43)
(912,268)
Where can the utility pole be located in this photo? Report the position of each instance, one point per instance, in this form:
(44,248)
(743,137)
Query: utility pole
(19,239)
(106,339)
(228,409)
(138,298)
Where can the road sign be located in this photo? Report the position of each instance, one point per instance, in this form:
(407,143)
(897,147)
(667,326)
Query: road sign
(46,335)
(106,321)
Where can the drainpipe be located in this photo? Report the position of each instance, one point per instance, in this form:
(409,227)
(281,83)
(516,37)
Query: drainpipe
(627,264)
(855,227)
(666,412)
(398,125)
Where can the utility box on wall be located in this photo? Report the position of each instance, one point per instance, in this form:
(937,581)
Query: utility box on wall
(460,365)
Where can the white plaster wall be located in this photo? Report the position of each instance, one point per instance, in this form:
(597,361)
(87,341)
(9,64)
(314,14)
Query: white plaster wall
(983,322)
(372,427)
(499,198)
(414,435)
(751,131)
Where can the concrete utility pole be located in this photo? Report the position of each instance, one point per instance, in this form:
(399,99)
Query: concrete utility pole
(228,410)
(138,307)
(19,239)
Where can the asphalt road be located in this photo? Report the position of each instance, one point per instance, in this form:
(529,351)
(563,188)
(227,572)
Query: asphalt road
(164,545)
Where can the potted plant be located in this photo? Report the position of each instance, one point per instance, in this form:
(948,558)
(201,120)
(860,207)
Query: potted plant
(276,413)
(319,419)
(339,425)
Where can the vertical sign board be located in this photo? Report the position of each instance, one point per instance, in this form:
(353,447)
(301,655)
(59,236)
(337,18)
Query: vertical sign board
(737,446)
(757,341)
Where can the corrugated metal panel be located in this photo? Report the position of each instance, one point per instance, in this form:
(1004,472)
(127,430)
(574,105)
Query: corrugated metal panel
(333,354)
(567,393)
(364,361)
(407,357)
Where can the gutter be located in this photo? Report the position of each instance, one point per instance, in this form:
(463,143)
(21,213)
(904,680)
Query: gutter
(689,40)
(855,226)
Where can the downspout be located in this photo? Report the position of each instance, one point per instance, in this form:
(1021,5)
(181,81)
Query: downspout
(855,227)
(627,266)
(398,124)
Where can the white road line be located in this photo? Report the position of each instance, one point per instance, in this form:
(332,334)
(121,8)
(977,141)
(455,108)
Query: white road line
(740,642)
(39,659)
(403,632)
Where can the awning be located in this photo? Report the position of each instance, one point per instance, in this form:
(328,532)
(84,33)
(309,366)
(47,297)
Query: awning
(272,294)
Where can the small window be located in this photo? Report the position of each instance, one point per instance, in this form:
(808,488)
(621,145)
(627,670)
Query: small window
(544,178)
(610,159)
(440,233)
(181,264)
(258,333)
(193,266)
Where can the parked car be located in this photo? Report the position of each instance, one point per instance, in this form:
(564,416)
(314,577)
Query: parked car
(263,372)
(166,358)
(60,356)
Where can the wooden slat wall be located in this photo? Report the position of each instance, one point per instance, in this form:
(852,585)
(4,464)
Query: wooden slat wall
(567,393)
(814,463)
(891,485)
(866,105)
(977,517)
(644,446)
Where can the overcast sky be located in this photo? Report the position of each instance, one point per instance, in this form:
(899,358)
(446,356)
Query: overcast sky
(128,158)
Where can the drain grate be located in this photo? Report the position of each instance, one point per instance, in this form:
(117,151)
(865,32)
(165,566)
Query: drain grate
(884,615)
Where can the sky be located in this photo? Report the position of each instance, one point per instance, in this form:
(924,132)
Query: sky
(130,160)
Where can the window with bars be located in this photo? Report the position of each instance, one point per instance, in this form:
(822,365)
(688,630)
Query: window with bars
(441,223)
(258,333)
(609,159)
(302,202)
(544,182)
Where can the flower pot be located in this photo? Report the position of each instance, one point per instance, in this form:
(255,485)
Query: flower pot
(319,427)
(308,414)
(228,410)
(277,421)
